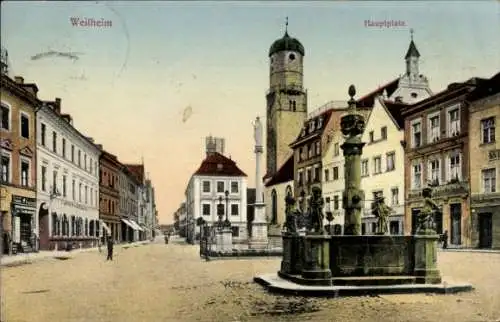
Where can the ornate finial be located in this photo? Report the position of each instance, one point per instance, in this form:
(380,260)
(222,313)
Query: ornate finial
(286,25)
(411,33)
(352,101)
(352,91)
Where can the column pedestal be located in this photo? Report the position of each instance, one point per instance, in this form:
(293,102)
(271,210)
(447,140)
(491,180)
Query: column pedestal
(316,270)
(259,238)
(426,270)
(227,240)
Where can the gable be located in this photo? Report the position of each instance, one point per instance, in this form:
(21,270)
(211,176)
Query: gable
(6,144)
(378,118)
(26,151)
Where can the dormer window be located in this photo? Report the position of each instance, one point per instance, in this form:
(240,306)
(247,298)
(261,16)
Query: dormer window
(219,166)
(311,126)
(320,122)
(303,132)
(414,95)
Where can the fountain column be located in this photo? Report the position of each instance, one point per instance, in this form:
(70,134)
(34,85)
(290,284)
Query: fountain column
(352,125)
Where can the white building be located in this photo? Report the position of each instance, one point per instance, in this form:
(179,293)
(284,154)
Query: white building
(382,164)
(67,181)
(206,195)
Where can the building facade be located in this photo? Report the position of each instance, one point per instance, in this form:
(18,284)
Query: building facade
(286,100)
(18,206)
(68,181)
(131,180)
(150,209)
(382,164)
(109,194)
(437,155)
(218,190)
(484,151)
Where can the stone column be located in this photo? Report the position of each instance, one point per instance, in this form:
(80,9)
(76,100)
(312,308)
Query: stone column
(426,270)
(259,238)
(352,125)
(316,270)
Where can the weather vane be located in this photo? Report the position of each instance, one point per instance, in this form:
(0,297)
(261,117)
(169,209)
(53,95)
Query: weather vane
(286,24)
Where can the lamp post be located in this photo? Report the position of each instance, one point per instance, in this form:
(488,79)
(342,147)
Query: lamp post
(227,223)
(220,211)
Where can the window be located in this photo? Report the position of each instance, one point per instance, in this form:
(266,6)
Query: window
(91,196)
(220,209)
(327,175)
(434,128)
(236,231)
(80,192)
(488,130)
(300,178)
(79,158)
(336,149)
(43,133)
(64,148)
(44,178)
(317,176)
(434,171)
(310,151)
(335,173)
(235,211)
(206,211)
(86,194)
(234,187)
(336,202)
(416,134)
(455,167)
(25,126)
(91,164)
(318,148)
(85,162)
(64,186)
(364,168)
(417,176)
(395,196)
(54,141)
(206,186)
(72,153)
(73,189)
(377,165)
(383,132)
(25,170)
(371,137)
(308,175)
(454,119)
(220,186)
(489,180)
(5,117)
(390,159)
(54,182)
(5,168)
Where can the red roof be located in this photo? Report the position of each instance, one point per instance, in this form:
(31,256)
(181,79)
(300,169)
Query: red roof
(369,99)
(218,165)
(137,170)
(284,174)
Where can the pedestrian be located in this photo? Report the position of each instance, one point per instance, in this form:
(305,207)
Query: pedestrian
(110,249)
(445,239)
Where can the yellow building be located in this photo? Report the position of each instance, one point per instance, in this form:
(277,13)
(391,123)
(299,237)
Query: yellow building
(484,149)
(18,165)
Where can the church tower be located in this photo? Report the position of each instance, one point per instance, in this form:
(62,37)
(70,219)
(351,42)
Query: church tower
(412,86)
(286,99)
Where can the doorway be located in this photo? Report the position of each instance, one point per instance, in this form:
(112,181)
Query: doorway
(485,230)
(25,228)
(456,223)
(394,227)
(414,220)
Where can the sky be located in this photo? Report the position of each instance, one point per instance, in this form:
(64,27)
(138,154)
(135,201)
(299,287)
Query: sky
(134,79)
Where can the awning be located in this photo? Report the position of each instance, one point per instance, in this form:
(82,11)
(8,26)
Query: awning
(105,227)
(137,227)
(128,223)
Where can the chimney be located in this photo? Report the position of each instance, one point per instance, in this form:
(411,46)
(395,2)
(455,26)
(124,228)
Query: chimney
(19,79)
(32,88)
(67,118)
(99,146)
(57,105)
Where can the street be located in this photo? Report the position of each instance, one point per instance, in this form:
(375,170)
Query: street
(159,282)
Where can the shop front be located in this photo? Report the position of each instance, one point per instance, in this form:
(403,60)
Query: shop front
(24,230)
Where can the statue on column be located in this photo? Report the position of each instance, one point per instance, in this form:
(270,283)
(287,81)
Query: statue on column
(316,210)
(382,212)
(258,132)
(426,217)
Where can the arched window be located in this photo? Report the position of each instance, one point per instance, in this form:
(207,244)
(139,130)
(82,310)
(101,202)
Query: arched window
(91,228)
(86,227)
(73,226)
(294,106)
(274,207)
(54,224)
(65,225)
(289,191)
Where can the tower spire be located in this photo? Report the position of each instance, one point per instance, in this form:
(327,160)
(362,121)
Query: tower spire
(286,25)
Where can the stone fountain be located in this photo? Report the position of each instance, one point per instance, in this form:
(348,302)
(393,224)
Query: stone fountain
(322,264)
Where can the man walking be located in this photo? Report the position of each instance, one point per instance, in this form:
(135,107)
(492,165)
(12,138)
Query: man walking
(110,249)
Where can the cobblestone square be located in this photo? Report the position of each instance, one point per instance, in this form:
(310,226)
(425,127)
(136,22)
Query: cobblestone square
(159,282)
